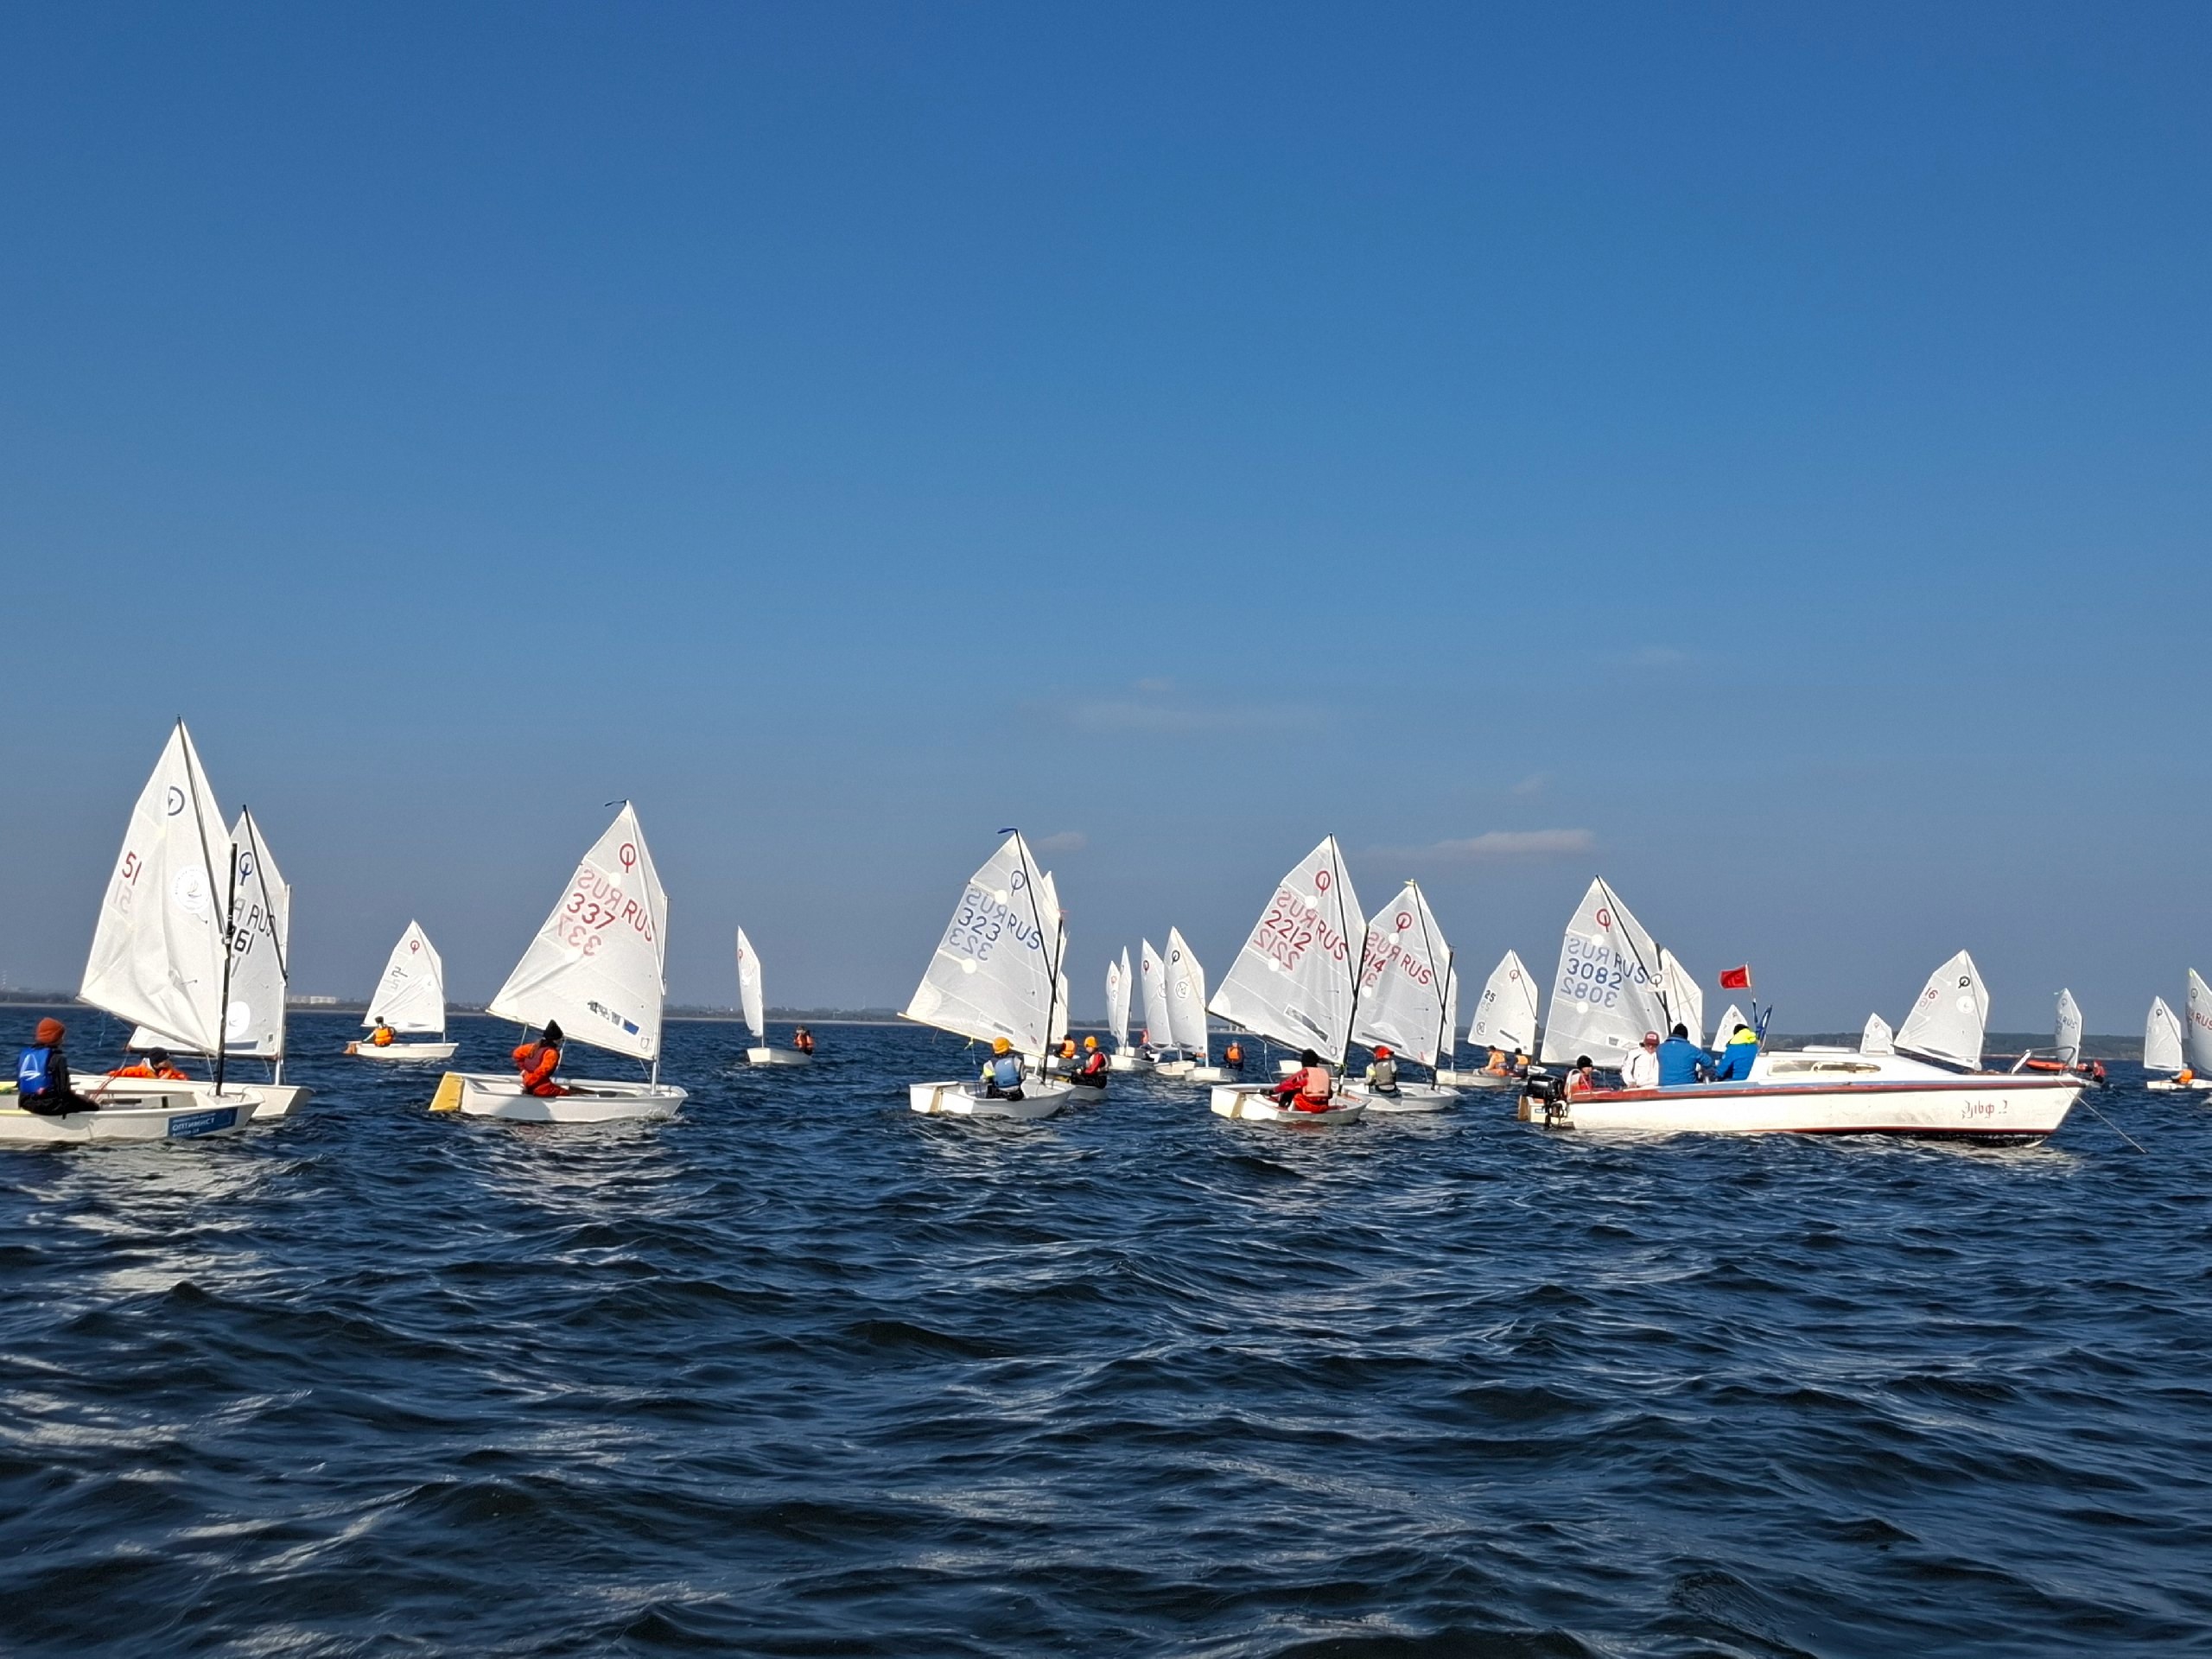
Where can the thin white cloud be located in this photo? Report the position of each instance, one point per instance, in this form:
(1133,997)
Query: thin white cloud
(1068,840)
(1493,845)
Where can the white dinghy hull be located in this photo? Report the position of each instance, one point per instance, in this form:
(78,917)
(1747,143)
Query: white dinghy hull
(2175,1086)
(1844,1094)
(590,1100)
(1478,1079)
(404,1053)
(1211,1074)
(1255,1102)
(1410,1098)
(961,1100)
(778,1057)
(157,1117)
(269,1101)
(1123,1062)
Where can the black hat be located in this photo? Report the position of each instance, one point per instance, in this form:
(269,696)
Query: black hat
(552,1031)
(1309,1057)
(161,1054)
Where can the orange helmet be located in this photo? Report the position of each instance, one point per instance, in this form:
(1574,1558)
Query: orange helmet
(1381,1052)
(1090,1042)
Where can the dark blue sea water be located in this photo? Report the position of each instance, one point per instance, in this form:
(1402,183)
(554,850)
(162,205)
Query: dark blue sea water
(802,1373)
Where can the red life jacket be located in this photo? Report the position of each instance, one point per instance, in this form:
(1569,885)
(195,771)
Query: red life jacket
(536,1061)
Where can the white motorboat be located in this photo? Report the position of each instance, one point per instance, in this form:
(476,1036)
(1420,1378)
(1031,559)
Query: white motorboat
(164,951)
(1935,1087)
(1124,1057)
(750,998)
(1405,970)
(596,968)
(1296,980)
(1187,1014)
(1504,1023)
(996,973)
(409,1000)
(2163,1042)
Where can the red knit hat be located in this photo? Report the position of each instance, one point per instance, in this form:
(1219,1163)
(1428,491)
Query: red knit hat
(50,1032)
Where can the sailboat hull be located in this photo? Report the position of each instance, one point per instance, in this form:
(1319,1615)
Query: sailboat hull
(170,1117)
(1478,1079)
(1985,1106)
(1255,1102)
(1411,1097)
(960,1100)
(1125,1061)
(1211,1074)
(402,1053)
(588,1101)
(268,1100)
(778,1057)
(2172,1086)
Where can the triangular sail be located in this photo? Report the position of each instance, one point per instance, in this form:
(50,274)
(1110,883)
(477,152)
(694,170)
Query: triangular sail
(1505,1019)
(411,995)
(1117,999)
(1447,1038)
(1733,1017)
(260,907)
(1186,1000)
(1877,1038)
(158,950)
(1158,1031)
(2068,1036)
(2200,1024)
(1947,1021)
(992,974)
(1403,964)
(1056,940)
(1297,978)
(1684,996)
(597,965)
(748,989)
(1608,992)
(2161,1039)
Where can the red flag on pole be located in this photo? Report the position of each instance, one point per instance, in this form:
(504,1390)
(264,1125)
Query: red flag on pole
(1736,979)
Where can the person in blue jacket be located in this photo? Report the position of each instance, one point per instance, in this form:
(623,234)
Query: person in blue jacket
(1002,1075)
(1736,1060)
(1682,1061)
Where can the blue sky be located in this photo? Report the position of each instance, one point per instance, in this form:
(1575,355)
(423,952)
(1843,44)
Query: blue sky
(1758,454)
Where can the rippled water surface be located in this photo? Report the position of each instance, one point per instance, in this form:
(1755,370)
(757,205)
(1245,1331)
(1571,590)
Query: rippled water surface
(800,1372)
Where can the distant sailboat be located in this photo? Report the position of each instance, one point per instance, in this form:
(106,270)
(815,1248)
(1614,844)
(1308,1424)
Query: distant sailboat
(995,973)
(2066,1038)
(1405,966)
(1123,1058)
(2163,1041)
(748,996)
(1504,1023)
(1877,1039)
(596,968)
(1167,1059)
(160,958)
(1186,1011)
(1733,1016)
(1297,981)
(410,998)
(1685,1000)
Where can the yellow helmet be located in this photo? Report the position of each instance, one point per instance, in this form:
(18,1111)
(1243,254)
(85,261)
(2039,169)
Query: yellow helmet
(1090,1042)
(999,1045)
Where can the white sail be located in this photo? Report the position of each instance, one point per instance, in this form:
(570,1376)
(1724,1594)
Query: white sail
(1447,1038)
(992,974)
(1158,1031)
(1186,1000)
(596,965)
(2067,1038)
(1056,939)
(1607,994)
(1403,963)
(1685,999)
(1505,1019)
(158,951)
(2161,1039)
(1063,998)
(1297,978)
(2200,1024)
(1947,1021)
(1117,999)
(1733,1017)
(1877,1038)
(411,995)
(748,989)
(259,904)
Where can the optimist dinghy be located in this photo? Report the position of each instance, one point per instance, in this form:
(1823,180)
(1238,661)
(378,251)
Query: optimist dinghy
(595,968)
(1504,1023)
(1123,1058)
(1186,1012)
(1405,966)
(1169,1060)
(160,959)
(997,973)
(253,1018)
(1935,1088)
(749,996)
(1297,981)
(2162,1041)
(410,998)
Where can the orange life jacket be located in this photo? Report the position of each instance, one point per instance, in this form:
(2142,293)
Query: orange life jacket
(536,1061)
(1234,1054)
(1315,1083)
(381,1036)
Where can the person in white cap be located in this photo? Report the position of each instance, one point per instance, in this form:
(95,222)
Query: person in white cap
(1640,1069)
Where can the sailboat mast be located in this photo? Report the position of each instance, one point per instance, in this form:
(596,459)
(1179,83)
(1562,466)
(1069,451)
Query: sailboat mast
(230,941)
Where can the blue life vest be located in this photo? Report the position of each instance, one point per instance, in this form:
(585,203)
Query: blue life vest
(32,1079)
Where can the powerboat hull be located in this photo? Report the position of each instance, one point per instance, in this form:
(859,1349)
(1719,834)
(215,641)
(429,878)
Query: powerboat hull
(1039,1100)
(1255,1102)
(402,1053)
(588,1101)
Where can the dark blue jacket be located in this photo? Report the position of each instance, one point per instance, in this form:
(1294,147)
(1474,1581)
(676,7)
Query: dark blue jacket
(1682,1061)
(1736,1060)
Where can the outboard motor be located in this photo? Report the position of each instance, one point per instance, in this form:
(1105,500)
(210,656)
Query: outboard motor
(1543,1098)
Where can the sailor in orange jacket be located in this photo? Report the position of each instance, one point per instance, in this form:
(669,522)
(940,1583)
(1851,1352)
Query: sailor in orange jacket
(156,1063)
(1308,1089)
(538,1062)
